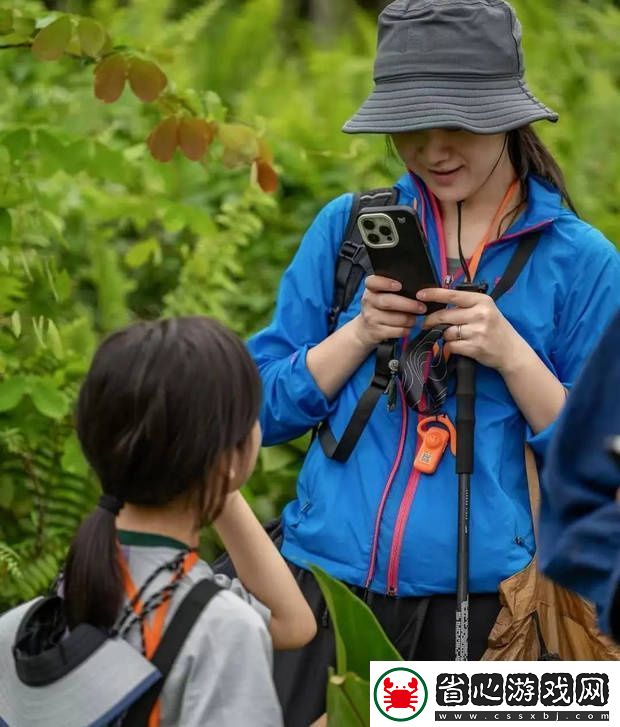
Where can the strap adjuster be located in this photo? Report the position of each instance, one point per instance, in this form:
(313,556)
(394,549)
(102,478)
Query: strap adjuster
(352,251)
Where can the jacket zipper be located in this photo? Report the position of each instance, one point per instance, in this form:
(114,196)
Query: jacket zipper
(414,475)
(399,529)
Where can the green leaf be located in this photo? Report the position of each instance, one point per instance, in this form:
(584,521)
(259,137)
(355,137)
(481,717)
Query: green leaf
(16,324)
(92,36)
(6,21)
(48,400)
(73,460)
(51,42)
(5,162)
(5,226)
(18,142)
(7,492)
(140,253)
(348,700)
(11,392)
(54,340)
(24,26)
(352,617)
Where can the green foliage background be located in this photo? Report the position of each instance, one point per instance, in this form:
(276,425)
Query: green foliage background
(94,233)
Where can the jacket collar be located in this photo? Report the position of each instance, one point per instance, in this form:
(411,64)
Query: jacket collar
(543,207)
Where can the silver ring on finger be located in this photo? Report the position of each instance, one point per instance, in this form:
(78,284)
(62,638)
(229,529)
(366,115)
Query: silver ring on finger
(459,336)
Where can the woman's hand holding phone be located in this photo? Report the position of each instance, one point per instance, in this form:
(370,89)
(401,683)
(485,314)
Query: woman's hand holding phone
(385,314)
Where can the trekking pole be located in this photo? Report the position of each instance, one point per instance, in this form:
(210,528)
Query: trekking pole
(465,424)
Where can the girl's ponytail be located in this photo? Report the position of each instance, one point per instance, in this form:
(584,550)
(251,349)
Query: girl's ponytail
(93,587)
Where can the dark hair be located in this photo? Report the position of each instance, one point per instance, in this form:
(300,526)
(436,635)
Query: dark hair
(529,155)
(162,403)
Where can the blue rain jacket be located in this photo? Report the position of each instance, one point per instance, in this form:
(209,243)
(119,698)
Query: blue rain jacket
(373,520)
(580,517)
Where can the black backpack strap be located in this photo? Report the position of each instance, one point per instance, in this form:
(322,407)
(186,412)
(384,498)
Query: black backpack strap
(353,263)
(341,450)
(521,255)
(169,647)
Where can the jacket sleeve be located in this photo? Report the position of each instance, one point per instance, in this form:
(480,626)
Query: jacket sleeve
(591,301)
(292,401)
(580,518)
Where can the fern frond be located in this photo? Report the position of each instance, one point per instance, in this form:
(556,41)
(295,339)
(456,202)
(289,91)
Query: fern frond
(188,28)
(10,561)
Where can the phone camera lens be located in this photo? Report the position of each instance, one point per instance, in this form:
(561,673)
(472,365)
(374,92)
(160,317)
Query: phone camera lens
(385,230)
(374,238)
(369,224)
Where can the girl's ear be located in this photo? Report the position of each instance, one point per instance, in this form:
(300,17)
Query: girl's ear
(243,458)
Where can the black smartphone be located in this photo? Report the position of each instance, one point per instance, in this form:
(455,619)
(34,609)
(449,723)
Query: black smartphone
(398,249)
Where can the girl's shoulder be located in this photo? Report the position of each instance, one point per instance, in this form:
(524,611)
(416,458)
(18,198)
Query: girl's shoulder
(233,595)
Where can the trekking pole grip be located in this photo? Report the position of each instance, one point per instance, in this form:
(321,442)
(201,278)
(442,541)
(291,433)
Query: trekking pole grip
(465,399)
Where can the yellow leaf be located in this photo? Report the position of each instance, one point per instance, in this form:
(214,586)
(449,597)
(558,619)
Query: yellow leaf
(51,41)
(107,45)
(92,36)
(240,141)
(110,74)
(146,79)
(264,152)
(163,139)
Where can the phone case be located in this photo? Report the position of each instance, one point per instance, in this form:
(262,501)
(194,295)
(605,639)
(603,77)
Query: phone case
(398,248)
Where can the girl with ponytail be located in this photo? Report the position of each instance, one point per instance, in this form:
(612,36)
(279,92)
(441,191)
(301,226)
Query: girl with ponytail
(167,418)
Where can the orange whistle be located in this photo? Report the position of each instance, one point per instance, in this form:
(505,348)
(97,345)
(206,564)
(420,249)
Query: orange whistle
(434,443)
(431,451)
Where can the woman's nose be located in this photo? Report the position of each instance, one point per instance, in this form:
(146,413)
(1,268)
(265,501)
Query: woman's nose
(436,144)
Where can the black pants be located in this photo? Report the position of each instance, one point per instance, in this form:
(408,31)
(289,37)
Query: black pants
(420,629)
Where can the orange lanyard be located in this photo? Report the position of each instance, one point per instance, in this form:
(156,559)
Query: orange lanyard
(153,631)
(474,261)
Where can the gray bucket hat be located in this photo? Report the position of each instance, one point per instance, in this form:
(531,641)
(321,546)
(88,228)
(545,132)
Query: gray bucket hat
(448,64)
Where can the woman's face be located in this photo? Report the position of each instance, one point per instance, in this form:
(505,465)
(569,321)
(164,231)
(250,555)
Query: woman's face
(454,164)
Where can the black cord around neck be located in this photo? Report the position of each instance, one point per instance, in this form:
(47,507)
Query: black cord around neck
(459,212)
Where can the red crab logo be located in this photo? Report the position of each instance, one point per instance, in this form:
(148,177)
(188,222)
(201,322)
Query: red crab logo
(400,698)
(399,694)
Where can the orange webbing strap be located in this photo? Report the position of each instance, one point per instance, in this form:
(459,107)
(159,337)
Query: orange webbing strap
(153,631)
(474,261)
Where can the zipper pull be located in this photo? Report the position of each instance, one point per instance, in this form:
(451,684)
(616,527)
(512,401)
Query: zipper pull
(394,366)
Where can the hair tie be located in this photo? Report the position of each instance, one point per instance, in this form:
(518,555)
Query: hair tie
(111,503)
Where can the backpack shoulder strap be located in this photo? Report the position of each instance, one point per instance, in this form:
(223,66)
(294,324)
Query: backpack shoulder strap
(353,262)
(169,647)
(521,255)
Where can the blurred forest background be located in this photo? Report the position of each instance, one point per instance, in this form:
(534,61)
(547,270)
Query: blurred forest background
(95,233)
